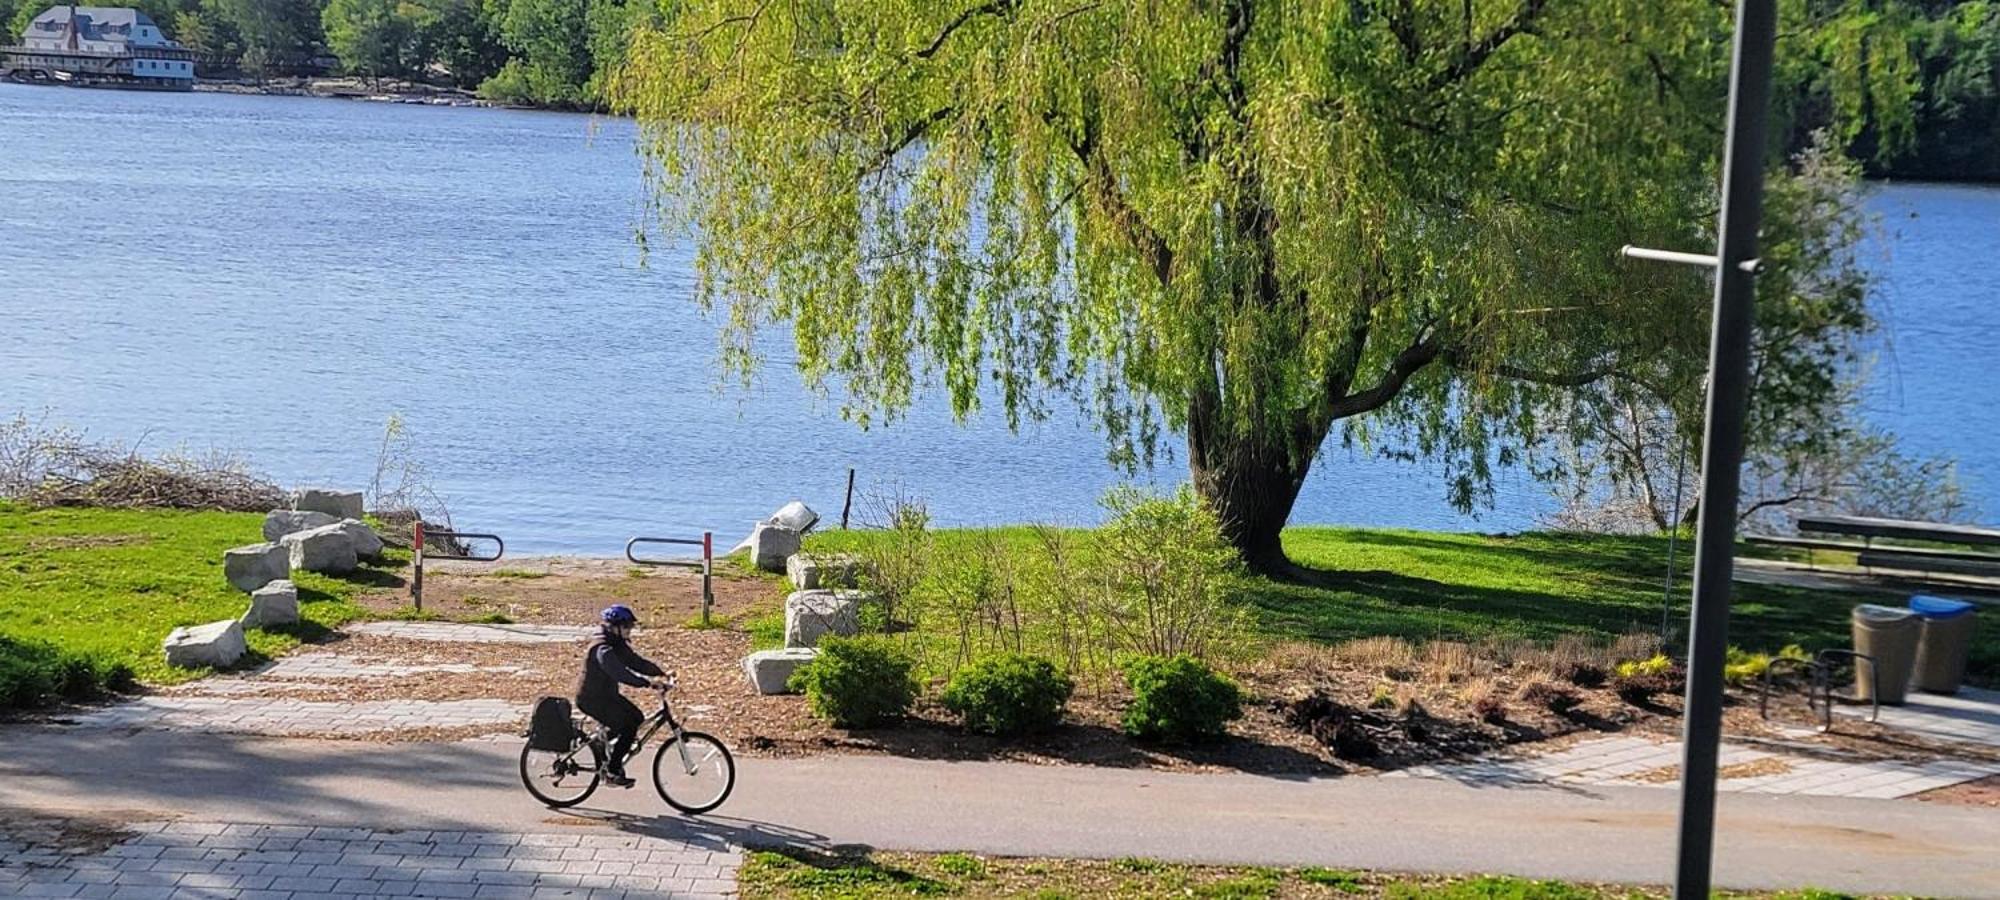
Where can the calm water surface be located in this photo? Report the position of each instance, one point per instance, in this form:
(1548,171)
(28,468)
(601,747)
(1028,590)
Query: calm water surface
(278,276)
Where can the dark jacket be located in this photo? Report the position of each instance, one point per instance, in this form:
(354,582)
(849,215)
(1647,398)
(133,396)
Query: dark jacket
(610,662)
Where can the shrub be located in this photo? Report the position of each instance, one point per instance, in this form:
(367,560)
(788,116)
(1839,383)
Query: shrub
(858,682)
(1167,579)
(35,674)
(1658,664)
(1178,698)
(1009,694)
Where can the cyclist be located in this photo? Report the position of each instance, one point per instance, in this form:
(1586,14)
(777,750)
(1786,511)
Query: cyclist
(610,662)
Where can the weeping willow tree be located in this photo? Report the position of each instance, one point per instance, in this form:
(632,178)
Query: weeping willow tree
(1247,224)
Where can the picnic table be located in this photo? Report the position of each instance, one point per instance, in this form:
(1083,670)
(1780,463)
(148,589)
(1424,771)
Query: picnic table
(1868,527)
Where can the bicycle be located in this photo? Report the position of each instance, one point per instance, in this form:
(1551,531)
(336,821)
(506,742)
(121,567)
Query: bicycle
(696,763)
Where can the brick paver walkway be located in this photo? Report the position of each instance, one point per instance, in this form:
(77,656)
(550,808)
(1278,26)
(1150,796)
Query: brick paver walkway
(1972,716)
(210,861)
(455,632)
(279,716)
(1630,761)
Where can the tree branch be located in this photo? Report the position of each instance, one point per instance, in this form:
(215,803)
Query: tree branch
(910,135)
(992,7)
(1407,363)
(1524,21)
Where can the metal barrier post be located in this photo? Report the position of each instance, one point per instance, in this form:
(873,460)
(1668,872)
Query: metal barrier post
(706,564)
(417,579)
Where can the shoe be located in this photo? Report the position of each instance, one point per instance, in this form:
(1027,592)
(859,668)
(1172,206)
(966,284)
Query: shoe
(618,779)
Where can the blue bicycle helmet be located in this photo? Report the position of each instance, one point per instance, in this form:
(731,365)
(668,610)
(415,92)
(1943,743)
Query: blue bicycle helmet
(619,614)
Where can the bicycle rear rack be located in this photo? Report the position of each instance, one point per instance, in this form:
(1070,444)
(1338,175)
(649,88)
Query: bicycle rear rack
(706,564)
(451,541)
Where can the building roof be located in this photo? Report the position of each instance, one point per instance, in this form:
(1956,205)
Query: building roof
(93,23)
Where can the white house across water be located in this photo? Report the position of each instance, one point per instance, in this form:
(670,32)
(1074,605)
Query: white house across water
(98,46)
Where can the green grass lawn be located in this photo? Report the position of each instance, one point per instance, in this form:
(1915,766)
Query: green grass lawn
(1438,585)
(794,875)
(109,584)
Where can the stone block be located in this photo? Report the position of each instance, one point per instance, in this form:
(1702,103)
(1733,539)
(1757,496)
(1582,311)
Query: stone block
(218,644)
(276,603)
(811,615)
(809,572)
(338,504)
(771,545)
(367,544)
(249,568)
(328,550)
(771,671)
(281,522)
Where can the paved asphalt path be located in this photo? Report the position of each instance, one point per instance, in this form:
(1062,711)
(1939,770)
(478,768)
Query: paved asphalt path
(1406,824)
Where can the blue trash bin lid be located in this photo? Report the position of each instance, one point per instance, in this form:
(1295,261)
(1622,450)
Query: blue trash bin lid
(1938,607)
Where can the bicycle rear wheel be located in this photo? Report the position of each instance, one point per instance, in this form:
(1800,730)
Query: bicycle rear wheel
(562,779)
(701,780)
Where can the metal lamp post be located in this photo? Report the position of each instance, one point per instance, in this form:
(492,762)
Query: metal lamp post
(1735,265)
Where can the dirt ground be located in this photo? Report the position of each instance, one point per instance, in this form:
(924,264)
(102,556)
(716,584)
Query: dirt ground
(1311,709)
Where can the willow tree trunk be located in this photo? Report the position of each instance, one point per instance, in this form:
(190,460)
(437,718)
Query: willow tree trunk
(1250,480)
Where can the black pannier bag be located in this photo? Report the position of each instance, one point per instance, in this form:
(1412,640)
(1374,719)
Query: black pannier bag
(551,727)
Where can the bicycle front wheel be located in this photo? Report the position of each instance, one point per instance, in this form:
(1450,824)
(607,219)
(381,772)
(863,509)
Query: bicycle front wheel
(694,772)
(562,779)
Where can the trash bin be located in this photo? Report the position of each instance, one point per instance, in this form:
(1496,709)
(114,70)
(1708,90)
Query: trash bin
(1888,636)
(1947,638)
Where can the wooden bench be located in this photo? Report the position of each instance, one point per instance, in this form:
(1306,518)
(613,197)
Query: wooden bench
(1808,543)
(1923,560)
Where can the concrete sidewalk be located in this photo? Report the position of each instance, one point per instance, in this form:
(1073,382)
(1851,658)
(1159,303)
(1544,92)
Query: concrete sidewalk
(1596,833)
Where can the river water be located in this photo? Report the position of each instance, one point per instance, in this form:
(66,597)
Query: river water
(278,276)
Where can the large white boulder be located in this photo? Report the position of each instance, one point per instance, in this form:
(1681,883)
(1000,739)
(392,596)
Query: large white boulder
(338,504)
(218,644)
(249,568)
(811,615)
(276,603)
(771,671)
(795,515)
(328,550)
(809,572)
(367,544)
(281,522)
(771,545)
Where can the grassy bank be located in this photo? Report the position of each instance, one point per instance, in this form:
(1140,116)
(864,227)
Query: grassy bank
(106,585)
(797,875)
(1436,585)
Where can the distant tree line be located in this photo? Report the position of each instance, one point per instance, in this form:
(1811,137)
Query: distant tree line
(1930,68)
(539,52)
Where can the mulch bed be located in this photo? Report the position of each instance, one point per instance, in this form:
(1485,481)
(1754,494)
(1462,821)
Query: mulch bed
(1312,710)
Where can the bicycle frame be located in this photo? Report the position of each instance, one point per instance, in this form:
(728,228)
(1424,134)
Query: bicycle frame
(661,718)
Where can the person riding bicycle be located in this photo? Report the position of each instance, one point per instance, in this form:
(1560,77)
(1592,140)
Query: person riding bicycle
(610,662)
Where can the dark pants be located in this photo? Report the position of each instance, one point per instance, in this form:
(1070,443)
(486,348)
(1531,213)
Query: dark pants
(622,717)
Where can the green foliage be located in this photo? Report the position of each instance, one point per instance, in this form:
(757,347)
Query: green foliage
(1179,699)
(836,877)
(1490,887)
(107,585)
(1009,694)
(858,682)
(1254,885)
(1170,579)
(1339,879)
(1249,224)
(276,35)
(34,673)
(376,37)
(1659,664)
(962,865)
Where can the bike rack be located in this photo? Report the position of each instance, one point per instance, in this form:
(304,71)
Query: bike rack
(1819,685)
(706,563)
(448,538)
